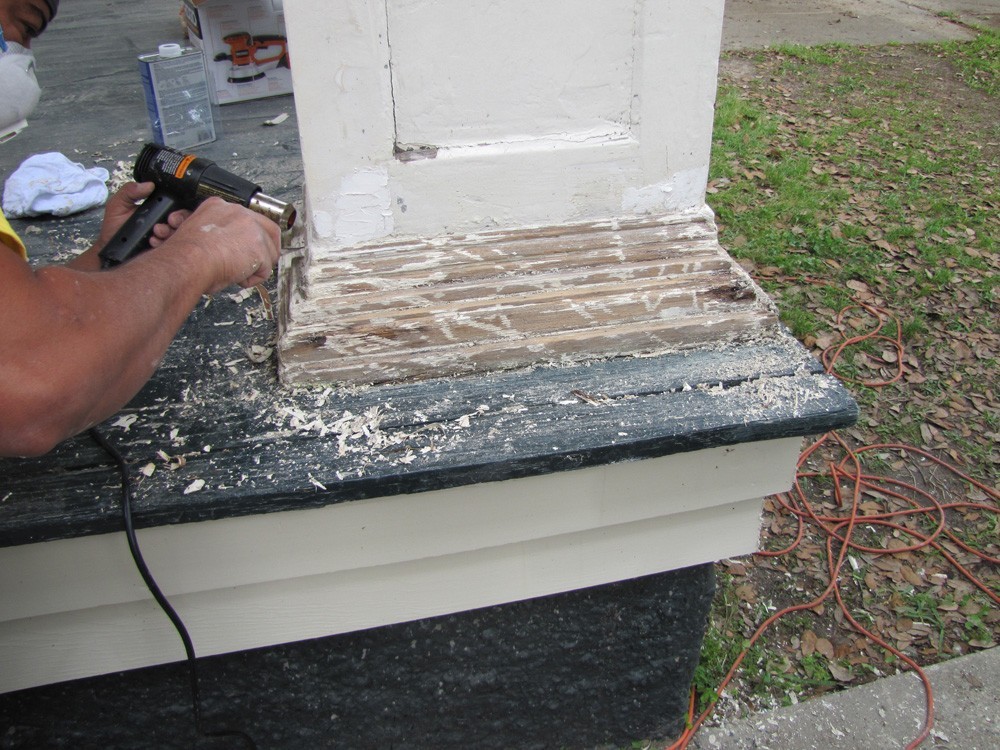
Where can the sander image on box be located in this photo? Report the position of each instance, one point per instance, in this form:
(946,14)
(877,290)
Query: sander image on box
(250,57)
(245,46)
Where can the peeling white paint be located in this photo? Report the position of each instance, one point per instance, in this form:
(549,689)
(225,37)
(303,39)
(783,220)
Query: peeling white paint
(322,223)
(364,207)
(647,199)
(685,190)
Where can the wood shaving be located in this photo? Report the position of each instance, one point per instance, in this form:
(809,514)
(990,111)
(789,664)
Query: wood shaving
(173,462)
(259,354)
(362,434)
(125,421)
(121,174)
(195,486)
(277,120)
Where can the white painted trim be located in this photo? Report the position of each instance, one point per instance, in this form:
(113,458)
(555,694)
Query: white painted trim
(73,608)
(654,163)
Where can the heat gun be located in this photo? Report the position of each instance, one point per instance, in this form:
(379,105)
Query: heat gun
(182,182)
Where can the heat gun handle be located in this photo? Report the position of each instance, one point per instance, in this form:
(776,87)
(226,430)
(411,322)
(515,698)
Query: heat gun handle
(133,237)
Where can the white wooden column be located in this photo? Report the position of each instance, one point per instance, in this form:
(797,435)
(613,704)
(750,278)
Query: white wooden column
(432,120)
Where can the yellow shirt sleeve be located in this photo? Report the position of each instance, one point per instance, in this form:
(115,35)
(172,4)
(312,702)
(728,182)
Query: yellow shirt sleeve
(9,237)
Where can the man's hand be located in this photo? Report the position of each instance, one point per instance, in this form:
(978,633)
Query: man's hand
(233,244)
(117,210)
(123,204)
(228,244)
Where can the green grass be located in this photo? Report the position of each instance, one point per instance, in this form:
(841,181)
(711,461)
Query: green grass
(719,647)
(780,676)
(923,607)
(868,182)
(979,60)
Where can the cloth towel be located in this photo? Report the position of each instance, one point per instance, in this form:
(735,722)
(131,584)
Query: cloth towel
(52,184)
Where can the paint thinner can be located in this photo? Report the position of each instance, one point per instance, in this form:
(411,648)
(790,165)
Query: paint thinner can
(178,97)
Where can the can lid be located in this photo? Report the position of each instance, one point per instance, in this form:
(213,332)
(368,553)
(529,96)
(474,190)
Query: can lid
(170,50)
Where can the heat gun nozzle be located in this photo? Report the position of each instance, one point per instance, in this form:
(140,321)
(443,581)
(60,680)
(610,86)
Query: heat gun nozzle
(281,213)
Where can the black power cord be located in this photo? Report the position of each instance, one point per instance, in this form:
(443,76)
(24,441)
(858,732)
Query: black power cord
(154,589)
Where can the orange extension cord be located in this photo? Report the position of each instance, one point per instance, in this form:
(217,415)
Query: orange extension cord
(838,530)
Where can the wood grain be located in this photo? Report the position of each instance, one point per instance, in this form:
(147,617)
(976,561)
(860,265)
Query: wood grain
(420,309)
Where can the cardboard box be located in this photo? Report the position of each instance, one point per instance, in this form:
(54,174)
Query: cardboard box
(245,46)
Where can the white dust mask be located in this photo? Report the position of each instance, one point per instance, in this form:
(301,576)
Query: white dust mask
(19,90)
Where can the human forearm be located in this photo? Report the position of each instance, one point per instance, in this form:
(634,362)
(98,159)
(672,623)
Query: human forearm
(92,341)
(81,344)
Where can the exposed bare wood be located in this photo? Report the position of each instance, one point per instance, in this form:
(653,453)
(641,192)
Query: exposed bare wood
(416,309)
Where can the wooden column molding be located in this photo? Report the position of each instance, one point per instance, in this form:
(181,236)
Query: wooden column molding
(416,309)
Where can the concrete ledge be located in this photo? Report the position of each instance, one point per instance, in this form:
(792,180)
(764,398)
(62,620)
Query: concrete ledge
(886,713)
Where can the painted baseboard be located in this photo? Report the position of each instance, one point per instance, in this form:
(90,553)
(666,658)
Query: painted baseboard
(76,607)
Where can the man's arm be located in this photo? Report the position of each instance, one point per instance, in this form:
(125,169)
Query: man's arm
(76,345)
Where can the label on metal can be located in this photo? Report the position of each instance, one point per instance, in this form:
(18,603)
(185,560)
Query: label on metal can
(178,98)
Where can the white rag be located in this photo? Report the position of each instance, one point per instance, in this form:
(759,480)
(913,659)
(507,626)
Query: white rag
(52,184)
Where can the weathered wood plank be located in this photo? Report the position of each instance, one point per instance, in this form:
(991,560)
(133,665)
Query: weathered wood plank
(529,252)
(367,360)
(415,309)
(545,272)
(524,302)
